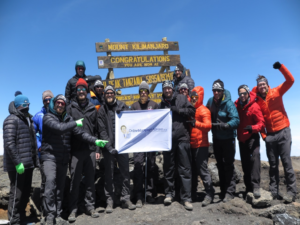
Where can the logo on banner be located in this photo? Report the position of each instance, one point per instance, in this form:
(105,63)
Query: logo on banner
(126,133)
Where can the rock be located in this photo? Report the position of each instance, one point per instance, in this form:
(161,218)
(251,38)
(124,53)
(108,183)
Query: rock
(235,206)
(269,212)
(264,164)
(264,200)
(238,174)
(213,170)
(285,219)
(196,223)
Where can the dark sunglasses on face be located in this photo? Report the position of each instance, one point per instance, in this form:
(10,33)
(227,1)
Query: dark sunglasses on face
(82,89)
(80,68)
(110,93)
(47,100)
(195,97)
(98,87)
(60,103)
(216,90)
(243,93)
(24,105)
(143,90)
(183,89)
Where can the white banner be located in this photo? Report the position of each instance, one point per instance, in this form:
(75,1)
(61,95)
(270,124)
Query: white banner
(143,131)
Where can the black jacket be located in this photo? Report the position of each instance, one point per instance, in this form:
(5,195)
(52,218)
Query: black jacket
(19,141)
(70,92)
(148,105)
(183,79)
(57,133)
(89,113)
(105,125)
(180,129)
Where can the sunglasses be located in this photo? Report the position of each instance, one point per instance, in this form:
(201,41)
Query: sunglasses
(60,103)
(195,97)
(243,93)
(98,87)
(24,105)
(143,90)
(216,90)
(183,89)
(110,93)
(47,100)
(82,89)
(80,68)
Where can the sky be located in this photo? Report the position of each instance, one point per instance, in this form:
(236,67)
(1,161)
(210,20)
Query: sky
(234,41)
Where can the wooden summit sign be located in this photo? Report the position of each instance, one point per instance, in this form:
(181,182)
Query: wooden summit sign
(130,99)
(137,61)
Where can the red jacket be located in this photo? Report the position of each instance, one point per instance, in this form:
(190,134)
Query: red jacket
(272,107)
(199,133)
(250,114)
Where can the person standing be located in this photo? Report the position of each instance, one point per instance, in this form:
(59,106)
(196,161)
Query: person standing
(200,126)
(106,126)
(184,90)
(58,127)
(278,137)
(96,94)
(83,155)
(180,77)
(20,156)
(144,103)
(225,120)
(251,123)
(181,110)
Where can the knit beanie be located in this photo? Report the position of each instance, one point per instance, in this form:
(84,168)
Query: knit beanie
(179,67)
(60,97)
(81,82)
(47,93)
(167,83)
(98,83)
(194,93)
(144,85)
(20,99)
(79,63)
(109,88)
(183,85)
(245,87)
(218,85)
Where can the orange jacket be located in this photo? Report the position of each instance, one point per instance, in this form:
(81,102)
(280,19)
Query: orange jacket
(199,133)
(272,107)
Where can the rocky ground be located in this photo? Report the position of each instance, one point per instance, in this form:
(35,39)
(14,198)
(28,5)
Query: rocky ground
(238,211)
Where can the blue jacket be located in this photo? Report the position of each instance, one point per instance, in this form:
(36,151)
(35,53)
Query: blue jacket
(38,125)
(94,99)
(227,113)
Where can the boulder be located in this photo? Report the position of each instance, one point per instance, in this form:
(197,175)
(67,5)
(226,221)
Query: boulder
(236,206)
(262,202)
(269,212)
(285,219)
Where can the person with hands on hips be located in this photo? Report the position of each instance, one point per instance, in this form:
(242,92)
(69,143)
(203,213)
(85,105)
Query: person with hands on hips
(106,128)
(251,123)
(277,137)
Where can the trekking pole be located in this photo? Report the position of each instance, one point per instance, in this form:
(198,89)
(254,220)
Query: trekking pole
(146,177)
(12,213)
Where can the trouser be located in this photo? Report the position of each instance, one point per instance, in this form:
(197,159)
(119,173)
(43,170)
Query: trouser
(123,162)
(278,144)
(224,151)
(199,167)
(42,189)
(82,162)
(55,176)
(179,156)
(139,174)
(250,157)
(20,187)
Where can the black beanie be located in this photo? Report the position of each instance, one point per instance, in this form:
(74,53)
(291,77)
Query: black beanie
(179,67)
(218,85)
(18,93)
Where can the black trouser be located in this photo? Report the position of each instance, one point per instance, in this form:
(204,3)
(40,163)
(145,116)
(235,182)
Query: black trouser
(139,175)
(42,189)
(179,156)
(224,151)
(279,144)
(55,176)
(82,162)
(199,167)
(20,187)
(123,162)
(250,157)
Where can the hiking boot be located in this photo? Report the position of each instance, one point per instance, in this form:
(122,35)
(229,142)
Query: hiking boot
(207,200)
(256,193)
(188,206)
(139,203)
(109,208)
(150,200)
(49,223)
(128,205)
(42,221)
(277,196)
(289,198)
(72,217)
(92,213)
(227,198)
(168,201)
(61,221)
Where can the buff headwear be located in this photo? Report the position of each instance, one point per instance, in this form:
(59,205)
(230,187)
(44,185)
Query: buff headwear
(245,87)
(262,80)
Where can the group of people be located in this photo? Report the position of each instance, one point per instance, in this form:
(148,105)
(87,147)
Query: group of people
(72,131)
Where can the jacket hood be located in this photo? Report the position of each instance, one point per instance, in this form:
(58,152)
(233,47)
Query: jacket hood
(80,63)
(200,92)
(13,110)
(227,96)
(51,109)
(181,77)
(252,96)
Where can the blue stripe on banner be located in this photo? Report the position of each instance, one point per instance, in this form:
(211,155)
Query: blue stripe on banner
(142,135)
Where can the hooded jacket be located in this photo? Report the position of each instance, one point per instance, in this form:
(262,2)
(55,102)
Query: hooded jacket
(19,141)
(57,133)
(38,125)
(149,105)
(105,124)
(250,114)
(199,133)
(227,113)
(180,128)
(70,92)
(89,113)
(183,79)
(94,99)
(272,107)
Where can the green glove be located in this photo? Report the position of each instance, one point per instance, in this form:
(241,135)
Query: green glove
(100,143)
(20,168)
(79,122)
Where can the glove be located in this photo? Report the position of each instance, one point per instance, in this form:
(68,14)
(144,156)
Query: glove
(225,126)
(248,128)
(217,126)
(221,125)
(100,143)
(113,152)
(174,109)
(192,122)
(277,65)
(118,111)
(20,168)
(79,122)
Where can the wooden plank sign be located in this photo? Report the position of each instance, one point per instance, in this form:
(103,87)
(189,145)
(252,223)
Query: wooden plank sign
(130,99)
(127,82)
(136,46)
(137,61)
